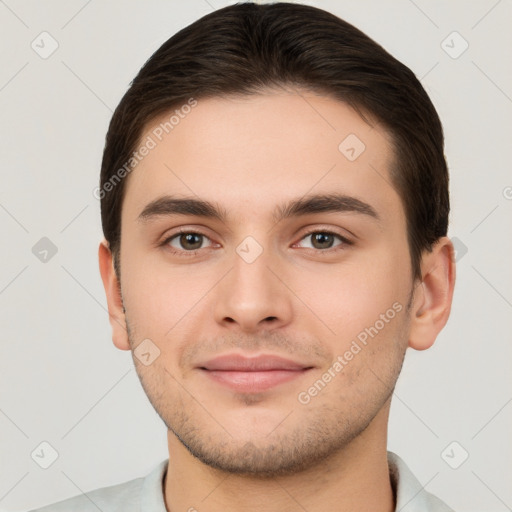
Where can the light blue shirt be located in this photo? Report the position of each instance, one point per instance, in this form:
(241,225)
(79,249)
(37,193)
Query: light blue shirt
(145,494)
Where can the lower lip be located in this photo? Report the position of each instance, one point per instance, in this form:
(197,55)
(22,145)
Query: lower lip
(253,382)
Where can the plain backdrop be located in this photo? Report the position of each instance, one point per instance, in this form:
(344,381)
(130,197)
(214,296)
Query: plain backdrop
(63,382)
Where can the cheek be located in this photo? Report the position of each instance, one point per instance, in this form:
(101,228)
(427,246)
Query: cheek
(161,299)
(165,301)
(351,296)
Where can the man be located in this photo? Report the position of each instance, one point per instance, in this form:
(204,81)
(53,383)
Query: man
(274,199)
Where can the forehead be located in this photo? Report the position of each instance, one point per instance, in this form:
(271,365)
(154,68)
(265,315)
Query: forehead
(253,152)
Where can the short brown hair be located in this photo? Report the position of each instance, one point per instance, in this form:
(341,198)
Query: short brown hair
(247,48)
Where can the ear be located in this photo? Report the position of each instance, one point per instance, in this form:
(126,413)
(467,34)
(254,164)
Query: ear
(433,295)
(114,299)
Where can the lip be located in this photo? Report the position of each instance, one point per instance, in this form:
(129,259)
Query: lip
(252,374)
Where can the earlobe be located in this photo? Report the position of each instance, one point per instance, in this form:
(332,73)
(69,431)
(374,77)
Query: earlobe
(433,296)
(114,300)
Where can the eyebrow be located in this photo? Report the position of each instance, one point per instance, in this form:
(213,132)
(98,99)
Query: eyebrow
(321,203)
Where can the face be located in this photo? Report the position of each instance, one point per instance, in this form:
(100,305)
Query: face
(278,310)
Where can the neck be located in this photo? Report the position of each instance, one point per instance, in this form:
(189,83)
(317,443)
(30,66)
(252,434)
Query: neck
(354,478)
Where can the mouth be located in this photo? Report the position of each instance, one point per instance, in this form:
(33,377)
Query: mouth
(252,374)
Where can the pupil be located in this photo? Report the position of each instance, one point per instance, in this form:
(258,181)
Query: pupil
(323,239)
(188,240)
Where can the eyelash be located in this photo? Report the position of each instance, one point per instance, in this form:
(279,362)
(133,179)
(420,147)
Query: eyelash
(185,254)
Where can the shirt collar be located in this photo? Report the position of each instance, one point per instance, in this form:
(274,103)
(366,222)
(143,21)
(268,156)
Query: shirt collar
(410,495)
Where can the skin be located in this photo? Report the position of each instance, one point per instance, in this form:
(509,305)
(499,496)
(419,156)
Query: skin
(299,299)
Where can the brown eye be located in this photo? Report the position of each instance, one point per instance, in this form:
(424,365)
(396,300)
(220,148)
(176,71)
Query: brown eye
(191,241)
(186,241)
(322,240)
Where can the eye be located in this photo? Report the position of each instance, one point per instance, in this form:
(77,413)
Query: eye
(189,243)
(323,240)
(185,242)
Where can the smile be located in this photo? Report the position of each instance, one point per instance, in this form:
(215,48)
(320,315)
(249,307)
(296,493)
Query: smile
(252,374)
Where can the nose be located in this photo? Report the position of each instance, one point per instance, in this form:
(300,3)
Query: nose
(252,297)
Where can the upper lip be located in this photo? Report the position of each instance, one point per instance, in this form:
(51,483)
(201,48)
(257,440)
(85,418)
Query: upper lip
(260,363)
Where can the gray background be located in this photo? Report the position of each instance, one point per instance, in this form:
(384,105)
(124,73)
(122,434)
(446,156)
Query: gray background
(61,379)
